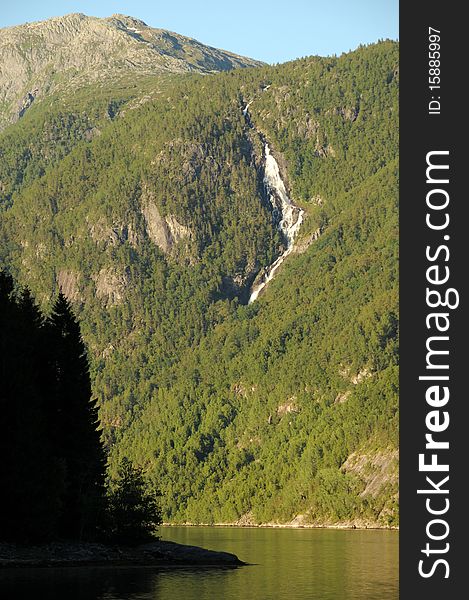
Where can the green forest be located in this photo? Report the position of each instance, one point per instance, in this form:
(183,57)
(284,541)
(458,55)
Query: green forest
(143,202)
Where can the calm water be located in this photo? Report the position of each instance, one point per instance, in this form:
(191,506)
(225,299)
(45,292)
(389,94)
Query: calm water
(290,564)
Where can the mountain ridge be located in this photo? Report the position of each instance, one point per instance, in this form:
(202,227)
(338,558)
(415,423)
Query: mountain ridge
(74,50)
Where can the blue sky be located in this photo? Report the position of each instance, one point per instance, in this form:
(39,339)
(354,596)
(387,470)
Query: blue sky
(273,31)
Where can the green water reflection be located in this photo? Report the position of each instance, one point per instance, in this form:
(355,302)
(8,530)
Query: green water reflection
(302,564)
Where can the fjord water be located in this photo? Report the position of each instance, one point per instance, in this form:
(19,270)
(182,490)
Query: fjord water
(290,564)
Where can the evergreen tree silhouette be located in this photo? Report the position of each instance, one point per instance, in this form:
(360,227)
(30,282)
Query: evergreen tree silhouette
(133,511)
(31,476)
(53,464)
(74,425)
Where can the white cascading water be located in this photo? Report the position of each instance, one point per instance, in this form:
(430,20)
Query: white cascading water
(291,216)
(246,108)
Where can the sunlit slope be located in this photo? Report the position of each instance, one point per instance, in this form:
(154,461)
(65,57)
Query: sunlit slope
(154,220)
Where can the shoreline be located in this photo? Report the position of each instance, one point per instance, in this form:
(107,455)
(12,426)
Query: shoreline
(161,553)
(346,527)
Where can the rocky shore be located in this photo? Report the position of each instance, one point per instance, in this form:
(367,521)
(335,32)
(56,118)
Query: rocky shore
(158,553)
(296,523)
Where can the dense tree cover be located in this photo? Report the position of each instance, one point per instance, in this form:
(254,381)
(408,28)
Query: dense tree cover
(327,317)
(231,409)
(50,129)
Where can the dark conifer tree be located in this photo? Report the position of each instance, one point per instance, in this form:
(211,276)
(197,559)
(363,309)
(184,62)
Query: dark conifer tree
(134,512)
(75,424)
(31,476)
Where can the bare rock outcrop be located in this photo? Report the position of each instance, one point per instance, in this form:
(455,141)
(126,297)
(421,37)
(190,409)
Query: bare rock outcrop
(68,284)
(376,469)
(111,285)
(165,232)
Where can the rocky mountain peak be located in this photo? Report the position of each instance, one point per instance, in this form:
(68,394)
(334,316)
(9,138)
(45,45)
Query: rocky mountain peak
(126,20)
(63,53)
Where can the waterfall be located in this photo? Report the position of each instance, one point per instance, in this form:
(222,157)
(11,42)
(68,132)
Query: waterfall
(288,217)
(246,108)
(291,215)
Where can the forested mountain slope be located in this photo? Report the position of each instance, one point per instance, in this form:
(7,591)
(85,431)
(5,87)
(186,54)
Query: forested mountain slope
(144,202)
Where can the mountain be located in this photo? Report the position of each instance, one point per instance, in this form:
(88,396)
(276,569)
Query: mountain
(145,201)
(64,53)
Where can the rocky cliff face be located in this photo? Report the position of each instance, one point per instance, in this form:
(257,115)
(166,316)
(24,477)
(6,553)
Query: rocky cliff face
(37,59)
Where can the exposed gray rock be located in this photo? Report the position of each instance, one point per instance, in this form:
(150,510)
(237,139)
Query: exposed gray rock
(288,407)
(165,232)
(376,468)
(26,102)
(68,283)
(303,244)
(37,59)
(116,233)
(111,285)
